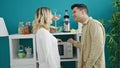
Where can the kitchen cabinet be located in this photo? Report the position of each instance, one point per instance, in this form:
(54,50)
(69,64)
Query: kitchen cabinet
(15,43)
(16,40)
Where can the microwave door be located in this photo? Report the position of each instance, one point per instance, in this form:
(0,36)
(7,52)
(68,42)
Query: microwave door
(65,50)
(61,50)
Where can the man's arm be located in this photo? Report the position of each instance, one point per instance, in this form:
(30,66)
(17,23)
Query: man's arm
(75,43)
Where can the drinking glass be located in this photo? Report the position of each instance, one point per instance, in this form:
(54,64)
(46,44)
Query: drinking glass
(56,17)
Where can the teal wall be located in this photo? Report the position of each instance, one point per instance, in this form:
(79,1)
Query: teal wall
(14,11)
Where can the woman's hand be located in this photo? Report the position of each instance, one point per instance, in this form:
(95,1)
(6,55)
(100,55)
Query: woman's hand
(59,40)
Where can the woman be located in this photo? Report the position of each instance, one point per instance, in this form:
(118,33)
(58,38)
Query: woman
(47,49)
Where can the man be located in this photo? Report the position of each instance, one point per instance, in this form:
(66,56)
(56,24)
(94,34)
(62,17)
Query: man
(92,41)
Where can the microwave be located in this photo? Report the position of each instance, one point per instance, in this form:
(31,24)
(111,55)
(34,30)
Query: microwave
(65,50)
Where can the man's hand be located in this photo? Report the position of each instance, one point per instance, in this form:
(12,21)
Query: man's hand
(84,65)
(70,40)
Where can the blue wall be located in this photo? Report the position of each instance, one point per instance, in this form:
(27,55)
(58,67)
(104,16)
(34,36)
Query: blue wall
(14,11)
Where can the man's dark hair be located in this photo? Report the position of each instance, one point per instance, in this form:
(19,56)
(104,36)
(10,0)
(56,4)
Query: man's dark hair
(80,6)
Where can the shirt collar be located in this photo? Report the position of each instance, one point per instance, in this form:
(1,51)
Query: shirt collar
(84,23)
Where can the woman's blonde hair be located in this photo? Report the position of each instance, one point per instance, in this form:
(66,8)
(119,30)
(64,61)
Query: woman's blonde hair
(42,18)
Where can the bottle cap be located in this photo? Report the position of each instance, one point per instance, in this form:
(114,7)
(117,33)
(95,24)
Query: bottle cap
(66,14)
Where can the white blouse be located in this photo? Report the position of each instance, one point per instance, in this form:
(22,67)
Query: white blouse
(47,49)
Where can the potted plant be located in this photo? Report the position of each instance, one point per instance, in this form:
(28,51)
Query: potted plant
(113,36)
